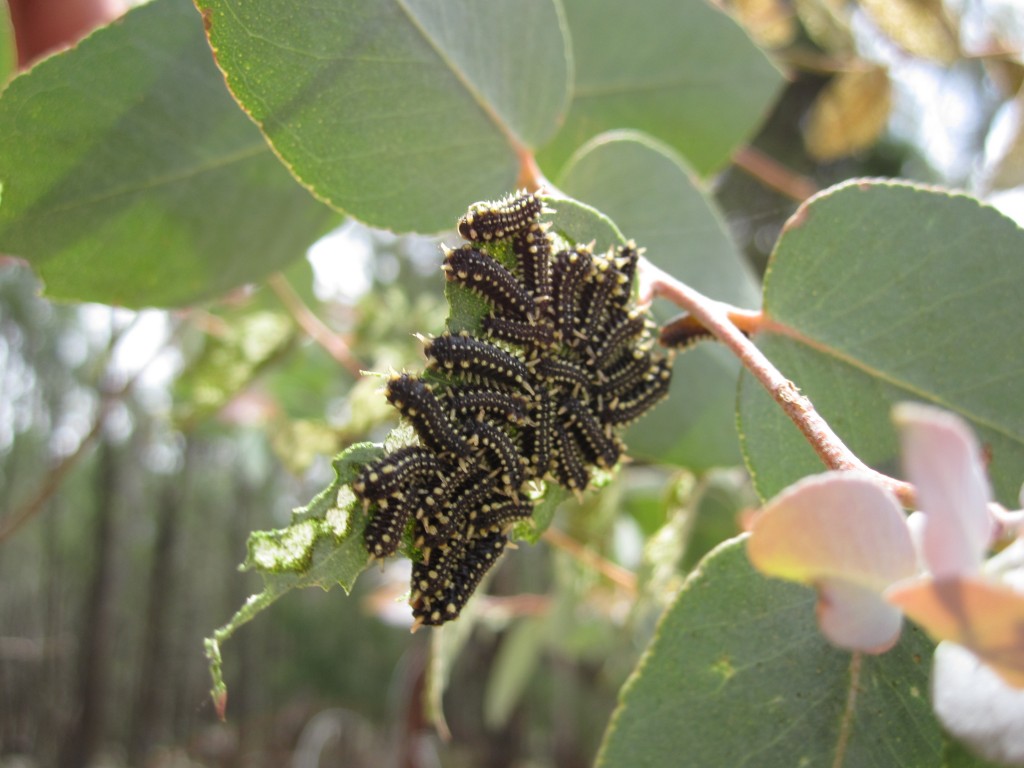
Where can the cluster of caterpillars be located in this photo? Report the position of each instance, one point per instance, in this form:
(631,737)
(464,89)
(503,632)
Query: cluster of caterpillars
(561,362)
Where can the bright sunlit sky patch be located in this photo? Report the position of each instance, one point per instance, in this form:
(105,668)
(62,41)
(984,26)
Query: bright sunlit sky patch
(341,263)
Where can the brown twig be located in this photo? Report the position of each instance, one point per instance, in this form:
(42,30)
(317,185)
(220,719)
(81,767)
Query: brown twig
(774,174)
(715,318)
(615,573)
(314,327)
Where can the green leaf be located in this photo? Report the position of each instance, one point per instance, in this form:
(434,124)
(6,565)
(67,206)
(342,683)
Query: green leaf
(654,198)
(579,222)
(514,666)
(880,292)
(130,176)
(683,72)
(323,547)
(397,111)
(738,674)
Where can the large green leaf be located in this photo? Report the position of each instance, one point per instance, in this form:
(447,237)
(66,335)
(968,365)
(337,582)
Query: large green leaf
(131,177)
(739,675)
(681,71)
(397,111)
(654,198)
(879,292)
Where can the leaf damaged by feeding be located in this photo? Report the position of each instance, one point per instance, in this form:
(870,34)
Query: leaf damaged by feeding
(526,391)
(323,546)
(495,428)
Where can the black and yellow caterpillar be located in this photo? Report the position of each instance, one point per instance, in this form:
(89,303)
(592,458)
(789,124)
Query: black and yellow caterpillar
(562,362)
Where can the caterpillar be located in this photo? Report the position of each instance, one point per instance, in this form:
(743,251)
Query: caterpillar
(502,451)
(532,333)
(559,363)
(476,361)
(498,515)
(532,248)
(629,326)
(416,401)
(383,532)
(569,466)
(488,279)
(644,395)
(598,444)
(478,402)
(390,473)
(500,220)
(569,270)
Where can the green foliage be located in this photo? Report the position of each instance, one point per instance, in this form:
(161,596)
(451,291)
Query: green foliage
(130,177)
(879,292)
(230,360)
(652,194)
(399,113)
(738,673)
(322,546)
(683,72)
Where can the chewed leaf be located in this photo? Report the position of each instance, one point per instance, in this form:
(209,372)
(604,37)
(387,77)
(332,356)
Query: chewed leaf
(837,525)
(943,460)
(855,617)
(983,616)
(323,546)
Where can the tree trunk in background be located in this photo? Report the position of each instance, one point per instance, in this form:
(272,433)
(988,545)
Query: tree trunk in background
(152,714)
(93,662)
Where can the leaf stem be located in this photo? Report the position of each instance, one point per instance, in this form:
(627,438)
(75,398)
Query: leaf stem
(615,573)
(715,317)
(774,174)
(314,327)
(849,711)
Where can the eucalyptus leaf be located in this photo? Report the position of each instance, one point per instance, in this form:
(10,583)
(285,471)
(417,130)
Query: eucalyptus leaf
(322,546)
(879,292)
(131,177)
(684,72)
(397,111)
(738,674)
(656,199)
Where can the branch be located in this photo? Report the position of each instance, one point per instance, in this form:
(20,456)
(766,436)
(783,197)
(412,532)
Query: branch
(774,174)
(615,573)
(715,317)
(314,327)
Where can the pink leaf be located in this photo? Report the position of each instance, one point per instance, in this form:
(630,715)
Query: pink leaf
(837,525)
(847,536)
(855,618)
(984,616)
(943,460)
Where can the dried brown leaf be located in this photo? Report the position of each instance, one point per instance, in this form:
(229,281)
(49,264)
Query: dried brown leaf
(850,113)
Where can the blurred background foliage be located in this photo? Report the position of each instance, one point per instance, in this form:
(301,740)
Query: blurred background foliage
(138,449)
